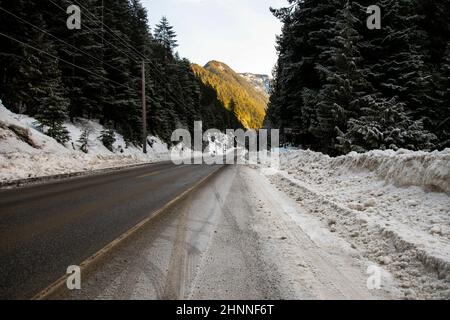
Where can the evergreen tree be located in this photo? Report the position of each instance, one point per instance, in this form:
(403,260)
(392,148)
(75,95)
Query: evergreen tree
(32,78)
(51,114)
(84,140)
(13,55)
(385,125)
(401,67)
(165,34)
(108,139)
(337,82)
(82,48)
(308,28)
(344,85)
(39,82)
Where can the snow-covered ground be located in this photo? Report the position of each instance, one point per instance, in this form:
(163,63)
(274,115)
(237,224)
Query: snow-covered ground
(25,152)
(393,207)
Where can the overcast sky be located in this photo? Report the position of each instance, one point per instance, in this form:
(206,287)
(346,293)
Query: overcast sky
(240,33)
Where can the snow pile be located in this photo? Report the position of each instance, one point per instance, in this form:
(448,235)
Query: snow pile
(403,168)
(215,145)
(394,207)
(25,152)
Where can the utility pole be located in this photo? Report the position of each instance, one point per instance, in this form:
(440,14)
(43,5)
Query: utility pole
(144,110)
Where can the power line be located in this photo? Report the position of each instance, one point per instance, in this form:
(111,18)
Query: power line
(125,43)
(93,31)
(158,72)
(111,31)
(60,40)
(122,41)
(65,61)
(172,98)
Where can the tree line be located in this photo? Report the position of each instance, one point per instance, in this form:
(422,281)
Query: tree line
(56,74)
(340,86)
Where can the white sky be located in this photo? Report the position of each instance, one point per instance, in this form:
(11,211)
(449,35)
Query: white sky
(240,33)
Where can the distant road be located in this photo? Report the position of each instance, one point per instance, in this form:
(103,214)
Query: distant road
(46,228)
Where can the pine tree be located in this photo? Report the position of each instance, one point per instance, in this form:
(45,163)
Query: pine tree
(108,139)
(306,35)
(45,96)
(84,140)
(344,85)
(121,66)
(83,49)
(51,115)
(165,34)
(401,68)
(385,125)
(13,89)
(334,75)
(31,75)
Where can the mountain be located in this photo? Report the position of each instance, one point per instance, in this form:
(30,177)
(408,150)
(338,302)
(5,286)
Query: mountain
(261,82)
(236,92)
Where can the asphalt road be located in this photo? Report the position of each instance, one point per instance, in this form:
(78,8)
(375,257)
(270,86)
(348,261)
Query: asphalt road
(235,237)
(46,228)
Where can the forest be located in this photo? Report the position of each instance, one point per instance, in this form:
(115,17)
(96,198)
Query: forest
(235,92)
(340,86)
(55,74)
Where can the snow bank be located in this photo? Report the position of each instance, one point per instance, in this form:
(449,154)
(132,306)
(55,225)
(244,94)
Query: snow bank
(403,167)
(392,206)
(25,152)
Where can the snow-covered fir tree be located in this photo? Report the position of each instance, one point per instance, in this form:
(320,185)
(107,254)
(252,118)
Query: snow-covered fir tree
(107,137)
(337,83)
(344,81)
(84,140)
